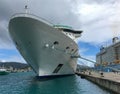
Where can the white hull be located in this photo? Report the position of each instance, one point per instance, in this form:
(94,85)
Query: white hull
(31,35)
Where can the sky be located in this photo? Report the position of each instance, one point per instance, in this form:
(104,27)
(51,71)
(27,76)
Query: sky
(99,20)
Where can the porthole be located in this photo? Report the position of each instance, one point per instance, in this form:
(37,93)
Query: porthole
(56,43)
(72,50)
(67,47)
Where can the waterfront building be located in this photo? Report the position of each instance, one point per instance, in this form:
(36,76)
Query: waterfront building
(108,59)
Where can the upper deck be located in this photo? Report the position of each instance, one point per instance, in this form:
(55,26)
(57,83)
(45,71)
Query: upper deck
(69,31)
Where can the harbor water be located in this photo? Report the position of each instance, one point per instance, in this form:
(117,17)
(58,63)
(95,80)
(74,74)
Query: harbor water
(26,83)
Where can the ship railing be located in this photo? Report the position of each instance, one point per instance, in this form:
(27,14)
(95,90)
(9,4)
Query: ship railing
(32,16)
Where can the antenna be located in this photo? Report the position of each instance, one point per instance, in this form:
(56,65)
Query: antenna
(26,7)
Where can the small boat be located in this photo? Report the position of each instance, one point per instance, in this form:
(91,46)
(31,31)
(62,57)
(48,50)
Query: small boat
(3,71)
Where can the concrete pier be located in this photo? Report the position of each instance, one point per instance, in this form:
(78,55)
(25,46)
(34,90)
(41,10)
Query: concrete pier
(110,81)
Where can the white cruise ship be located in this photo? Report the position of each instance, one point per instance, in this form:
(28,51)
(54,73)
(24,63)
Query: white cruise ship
(49,49)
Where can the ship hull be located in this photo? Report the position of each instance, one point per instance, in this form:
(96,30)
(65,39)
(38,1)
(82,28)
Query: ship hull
(35,40)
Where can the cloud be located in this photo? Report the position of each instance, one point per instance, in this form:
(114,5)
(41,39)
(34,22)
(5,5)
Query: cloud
(91,57)
(5,40)
(85,62)
(15,59)
(11,58)
(99,19)
(55,11)
(93,17)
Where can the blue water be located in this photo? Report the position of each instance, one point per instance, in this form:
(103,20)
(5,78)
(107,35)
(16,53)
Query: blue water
(26,83)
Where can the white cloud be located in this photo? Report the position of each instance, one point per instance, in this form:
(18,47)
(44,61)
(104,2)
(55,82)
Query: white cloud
(55,11)
(89,9)
(89,57)
(12,58)
(99,19)
(82,50)
(5,40)
(85,63)
(94,17)
(16,59)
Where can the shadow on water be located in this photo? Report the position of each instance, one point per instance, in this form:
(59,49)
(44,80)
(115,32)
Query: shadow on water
(64,85)
(46,78)
(56,85)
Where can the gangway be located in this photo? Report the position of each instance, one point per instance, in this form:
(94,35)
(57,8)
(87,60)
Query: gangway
(83,58)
